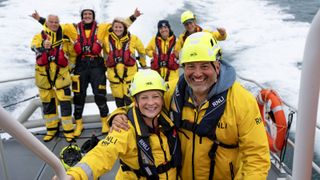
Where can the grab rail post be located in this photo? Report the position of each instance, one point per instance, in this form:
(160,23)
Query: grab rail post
(308,104)
(19,132)
(2,160)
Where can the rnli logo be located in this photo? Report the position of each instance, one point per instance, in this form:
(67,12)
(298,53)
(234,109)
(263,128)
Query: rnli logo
(144,145)
(109,140)
(148,83)
(217,102)
(193,54)
(222,125)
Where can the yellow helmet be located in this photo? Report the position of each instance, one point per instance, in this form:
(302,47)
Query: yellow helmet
(70,156)
(187,15)
(200,46)
(147,80)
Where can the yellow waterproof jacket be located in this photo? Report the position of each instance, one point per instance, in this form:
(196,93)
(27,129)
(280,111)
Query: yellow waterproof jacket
(120,71)
(165,73)
(182,37)
(239,125)
(122,145)
(151,48)
(63,78)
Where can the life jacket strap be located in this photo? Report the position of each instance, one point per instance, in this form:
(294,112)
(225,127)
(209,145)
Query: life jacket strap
(140,173)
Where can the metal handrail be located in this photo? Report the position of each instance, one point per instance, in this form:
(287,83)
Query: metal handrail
(19,132)
(2,160)
(17,79)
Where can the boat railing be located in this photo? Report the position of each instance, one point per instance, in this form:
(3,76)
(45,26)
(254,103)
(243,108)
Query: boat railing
(291,108)
(24,117)
(24,136)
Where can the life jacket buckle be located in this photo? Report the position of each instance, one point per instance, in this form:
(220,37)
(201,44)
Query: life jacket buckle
(86,49)
(163,63)
(118,60)
(51,58)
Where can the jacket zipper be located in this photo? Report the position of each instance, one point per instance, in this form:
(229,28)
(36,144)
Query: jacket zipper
(231,170)
(193,146)
(164,152)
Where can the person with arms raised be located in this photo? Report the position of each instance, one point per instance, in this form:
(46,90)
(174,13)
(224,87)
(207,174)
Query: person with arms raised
(189,21)
(54,51)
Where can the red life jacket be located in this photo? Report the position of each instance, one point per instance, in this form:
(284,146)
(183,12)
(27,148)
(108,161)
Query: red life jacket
(55,54)
(164,60)
(122,55)
(87,46)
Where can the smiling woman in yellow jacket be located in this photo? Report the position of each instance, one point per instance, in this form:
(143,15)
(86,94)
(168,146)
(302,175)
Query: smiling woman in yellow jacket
(120,47)
(149,150)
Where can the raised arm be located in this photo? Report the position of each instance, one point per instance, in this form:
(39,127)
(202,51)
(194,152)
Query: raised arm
(220,34)
(35,15)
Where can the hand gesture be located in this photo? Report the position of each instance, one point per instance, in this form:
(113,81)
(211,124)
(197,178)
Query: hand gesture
(137,13)
(35,15)
(222,31)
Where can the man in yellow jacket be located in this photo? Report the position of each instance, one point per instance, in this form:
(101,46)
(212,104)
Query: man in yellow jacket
(188,19)
(161,49)
(149,150)
(54,51)
(221,131)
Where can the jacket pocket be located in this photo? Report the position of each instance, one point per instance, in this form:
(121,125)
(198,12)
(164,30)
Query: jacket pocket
(63,79)
(41,78)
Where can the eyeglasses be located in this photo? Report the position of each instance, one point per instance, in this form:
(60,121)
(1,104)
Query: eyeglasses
(188,23)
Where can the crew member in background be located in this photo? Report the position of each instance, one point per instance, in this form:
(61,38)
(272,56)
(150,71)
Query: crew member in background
(120,48)
(189,21)
(89,68)
(53,53)
(161,49)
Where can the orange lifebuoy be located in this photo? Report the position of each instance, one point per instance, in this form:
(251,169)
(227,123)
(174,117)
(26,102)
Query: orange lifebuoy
(271,111)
